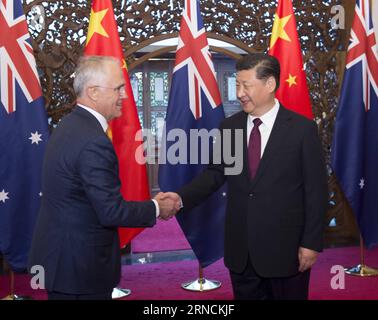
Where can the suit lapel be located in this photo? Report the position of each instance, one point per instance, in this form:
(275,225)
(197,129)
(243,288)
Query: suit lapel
(240,123)
(245,171)
(276,138)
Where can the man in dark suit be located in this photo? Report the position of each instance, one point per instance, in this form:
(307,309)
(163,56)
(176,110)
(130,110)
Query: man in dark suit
(277,204)
(75,238)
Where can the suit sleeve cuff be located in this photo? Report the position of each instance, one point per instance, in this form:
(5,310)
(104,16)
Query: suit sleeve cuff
(157,207)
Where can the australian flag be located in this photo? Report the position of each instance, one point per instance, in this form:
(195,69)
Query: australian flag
(355,142)
(194,103)
(23,136)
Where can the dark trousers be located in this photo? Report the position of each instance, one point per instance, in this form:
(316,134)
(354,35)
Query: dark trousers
(53,295)
(248,285)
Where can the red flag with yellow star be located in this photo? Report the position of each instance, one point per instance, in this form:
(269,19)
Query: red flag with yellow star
(284,45)
(103,39)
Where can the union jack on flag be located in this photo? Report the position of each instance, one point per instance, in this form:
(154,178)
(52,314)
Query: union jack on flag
(194,103)
(193,52)
(363,49)
(17,59)
(23,136)
(355,141)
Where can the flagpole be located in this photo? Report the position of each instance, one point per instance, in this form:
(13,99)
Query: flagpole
(201,284)
(12,295)
(361,270)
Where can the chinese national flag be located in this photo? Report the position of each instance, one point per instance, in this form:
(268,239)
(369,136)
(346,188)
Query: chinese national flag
(103,40)
(284,45)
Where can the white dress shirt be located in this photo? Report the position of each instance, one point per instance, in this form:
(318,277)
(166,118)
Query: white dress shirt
(104,124)
(265,127)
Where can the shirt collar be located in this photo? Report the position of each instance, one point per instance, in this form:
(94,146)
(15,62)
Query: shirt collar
(100,118)
(269,117)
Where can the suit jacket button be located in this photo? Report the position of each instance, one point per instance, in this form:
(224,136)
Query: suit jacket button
(251,195)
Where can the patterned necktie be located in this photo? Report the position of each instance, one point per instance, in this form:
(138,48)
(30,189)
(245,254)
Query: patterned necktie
(254,148)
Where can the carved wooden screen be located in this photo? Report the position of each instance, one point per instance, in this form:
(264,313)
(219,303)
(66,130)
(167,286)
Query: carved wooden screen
(58,30)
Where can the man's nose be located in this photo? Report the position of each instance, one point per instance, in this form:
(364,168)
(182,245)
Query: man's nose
(239,92)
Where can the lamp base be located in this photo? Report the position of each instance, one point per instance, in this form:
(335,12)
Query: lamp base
(201,284)
(16,297)
(120,293)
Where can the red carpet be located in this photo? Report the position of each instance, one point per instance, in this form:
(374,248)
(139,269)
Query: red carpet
(154,281)
(161,281)
(164,236)
(356,288)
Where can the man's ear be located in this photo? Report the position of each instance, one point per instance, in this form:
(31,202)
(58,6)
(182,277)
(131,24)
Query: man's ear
(92,93)
(271,84)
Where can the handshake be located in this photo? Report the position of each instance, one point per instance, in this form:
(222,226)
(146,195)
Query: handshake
(169,204)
